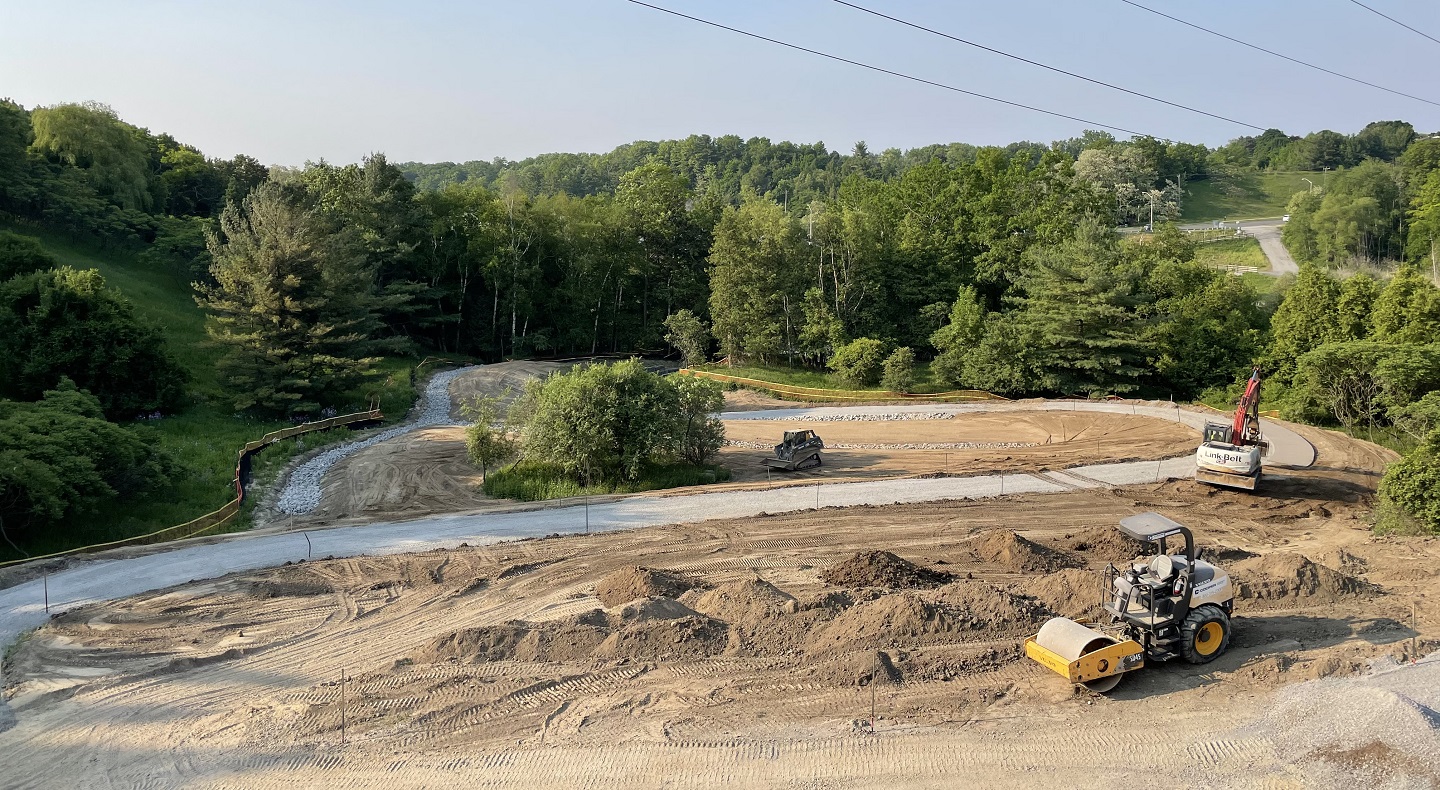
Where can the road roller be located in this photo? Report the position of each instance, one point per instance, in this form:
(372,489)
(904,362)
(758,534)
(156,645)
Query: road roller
(1169,604)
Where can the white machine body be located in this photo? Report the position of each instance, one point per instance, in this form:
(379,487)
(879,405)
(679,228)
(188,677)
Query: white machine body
(1228,458)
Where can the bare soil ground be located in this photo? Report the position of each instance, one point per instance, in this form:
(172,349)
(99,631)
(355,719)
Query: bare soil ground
(742,653)
(427,472)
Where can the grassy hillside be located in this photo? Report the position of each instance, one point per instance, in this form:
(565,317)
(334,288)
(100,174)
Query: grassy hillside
(820,379)
(205,436)
(1244,196)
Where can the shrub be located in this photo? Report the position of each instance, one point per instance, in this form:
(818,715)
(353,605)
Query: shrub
(1413,484)
(22,255)
(899,371)
(858,363)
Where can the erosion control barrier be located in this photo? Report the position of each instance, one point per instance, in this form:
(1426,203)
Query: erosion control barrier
(817,394)
(230,509)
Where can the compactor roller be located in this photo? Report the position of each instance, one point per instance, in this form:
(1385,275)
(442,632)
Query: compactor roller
(1161,607)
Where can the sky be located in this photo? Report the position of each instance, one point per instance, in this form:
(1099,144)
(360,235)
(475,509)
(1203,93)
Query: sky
(290,82)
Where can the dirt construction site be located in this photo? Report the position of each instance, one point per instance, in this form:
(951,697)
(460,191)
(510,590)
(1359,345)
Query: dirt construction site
(851,644)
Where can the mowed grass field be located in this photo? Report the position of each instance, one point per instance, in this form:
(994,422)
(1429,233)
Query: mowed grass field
(1243,251)
(206,435)
(1245,196)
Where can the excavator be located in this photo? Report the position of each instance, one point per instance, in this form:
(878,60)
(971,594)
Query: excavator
(1229,455)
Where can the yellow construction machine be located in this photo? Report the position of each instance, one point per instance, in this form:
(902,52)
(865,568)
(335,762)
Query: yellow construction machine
(1157,608)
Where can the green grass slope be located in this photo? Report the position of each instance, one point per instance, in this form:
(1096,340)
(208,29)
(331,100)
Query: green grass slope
(206,435)
(1243,196)
(1243,251)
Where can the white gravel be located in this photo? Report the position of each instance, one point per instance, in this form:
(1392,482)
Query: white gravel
(302,490)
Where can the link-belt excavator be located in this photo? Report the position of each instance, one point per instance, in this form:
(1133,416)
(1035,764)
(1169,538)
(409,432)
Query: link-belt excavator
(1229,455)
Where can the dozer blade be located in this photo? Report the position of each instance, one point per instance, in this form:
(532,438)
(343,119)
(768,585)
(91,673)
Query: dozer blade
(1226,479)
(1082,655)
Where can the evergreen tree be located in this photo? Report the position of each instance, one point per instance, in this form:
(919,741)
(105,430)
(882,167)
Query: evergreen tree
(1308,316)
(1408,310)
(294,307)
(1079,303)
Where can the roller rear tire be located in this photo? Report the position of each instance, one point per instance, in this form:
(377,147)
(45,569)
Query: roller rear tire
(1205,634)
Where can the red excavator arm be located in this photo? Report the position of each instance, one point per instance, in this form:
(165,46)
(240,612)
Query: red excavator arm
(1246,428)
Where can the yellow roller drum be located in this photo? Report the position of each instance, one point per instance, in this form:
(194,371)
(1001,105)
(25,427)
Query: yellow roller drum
(1083,655)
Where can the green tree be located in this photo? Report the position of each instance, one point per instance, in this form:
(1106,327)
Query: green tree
(858,363)
(1208,327)
(92,137)
(488,439)
(752,279)
(1080,304)
(822,332)
(59,458)
(22,255)
(1413,483)
(688,335)
(1358,295)
(63,324)
(698,433)
(1408,309)
(1341,379)
(1307,317)
(957,338)
(601,422)
(292,306)
(1423,238)
(899,371)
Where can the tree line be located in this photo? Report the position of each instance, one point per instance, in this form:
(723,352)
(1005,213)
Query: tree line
(998,266)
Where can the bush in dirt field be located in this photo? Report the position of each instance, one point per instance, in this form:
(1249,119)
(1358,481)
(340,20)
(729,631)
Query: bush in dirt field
(611,421)
(858,362)
(488,439)
(899,373)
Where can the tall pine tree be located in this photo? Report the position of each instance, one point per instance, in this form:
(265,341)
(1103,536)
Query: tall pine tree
(294,307)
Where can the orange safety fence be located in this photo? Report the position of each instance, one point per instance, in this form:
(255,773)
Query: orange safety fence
(815,393)
(230,509)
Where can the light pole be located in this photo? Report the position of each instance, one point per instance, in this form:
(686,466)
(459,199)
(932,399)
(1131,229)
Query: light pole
(1311,183)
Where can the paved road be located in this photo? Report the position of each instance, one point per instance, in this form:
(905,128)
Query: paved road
(21,606)
(1280,261)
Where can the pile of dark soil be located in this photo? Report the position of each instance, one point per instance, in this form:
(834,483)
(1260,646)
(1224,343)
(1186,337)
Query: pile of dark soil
(882,569)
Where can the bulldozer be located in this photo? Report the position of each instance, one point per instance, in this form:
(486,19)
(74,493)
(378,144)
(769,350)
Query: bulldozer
(1229,455)
(798,450)
(1169,605)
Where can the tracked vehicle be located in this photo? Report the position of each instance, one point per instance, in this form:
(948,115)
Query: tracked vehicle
(799,450)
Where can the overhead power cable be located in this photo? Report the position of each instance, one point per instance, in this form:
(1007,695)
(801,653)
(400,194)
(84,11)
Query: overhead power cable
(1045,66)
(1396,21)
(890,72)
(1277,54)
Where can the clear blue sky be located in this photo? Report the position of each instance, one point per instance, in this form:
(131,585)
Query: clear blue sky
(293,81)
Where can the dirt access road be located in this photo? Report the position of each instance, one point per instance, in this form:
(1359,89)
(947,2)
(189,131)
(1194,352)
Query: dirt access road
(749,652)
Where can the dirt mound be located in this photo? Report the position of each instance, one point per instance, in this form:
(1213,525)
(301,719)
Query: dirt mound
(1071,592)
(686,638)
(743,601)
(516,640)
(654,609)
(289,588)
(1105,544)
(627,584)
(1012,552)
(882,569)
(888,621)
(1284,575)
(982,606)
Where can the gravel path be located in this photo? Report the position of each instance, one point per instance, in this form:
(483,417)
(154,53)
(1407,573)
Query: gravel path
(302,489)
(1275,251)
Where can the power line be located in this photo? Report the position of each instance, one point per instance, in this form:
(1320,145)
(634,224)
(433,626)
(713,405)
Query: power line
(1044,66)
(888,71)
(1396,21)
(1277,54)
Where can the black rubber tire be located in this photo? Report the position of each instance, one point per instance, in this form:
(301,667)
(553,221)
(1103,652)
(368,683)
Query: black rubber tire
(1198,630)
